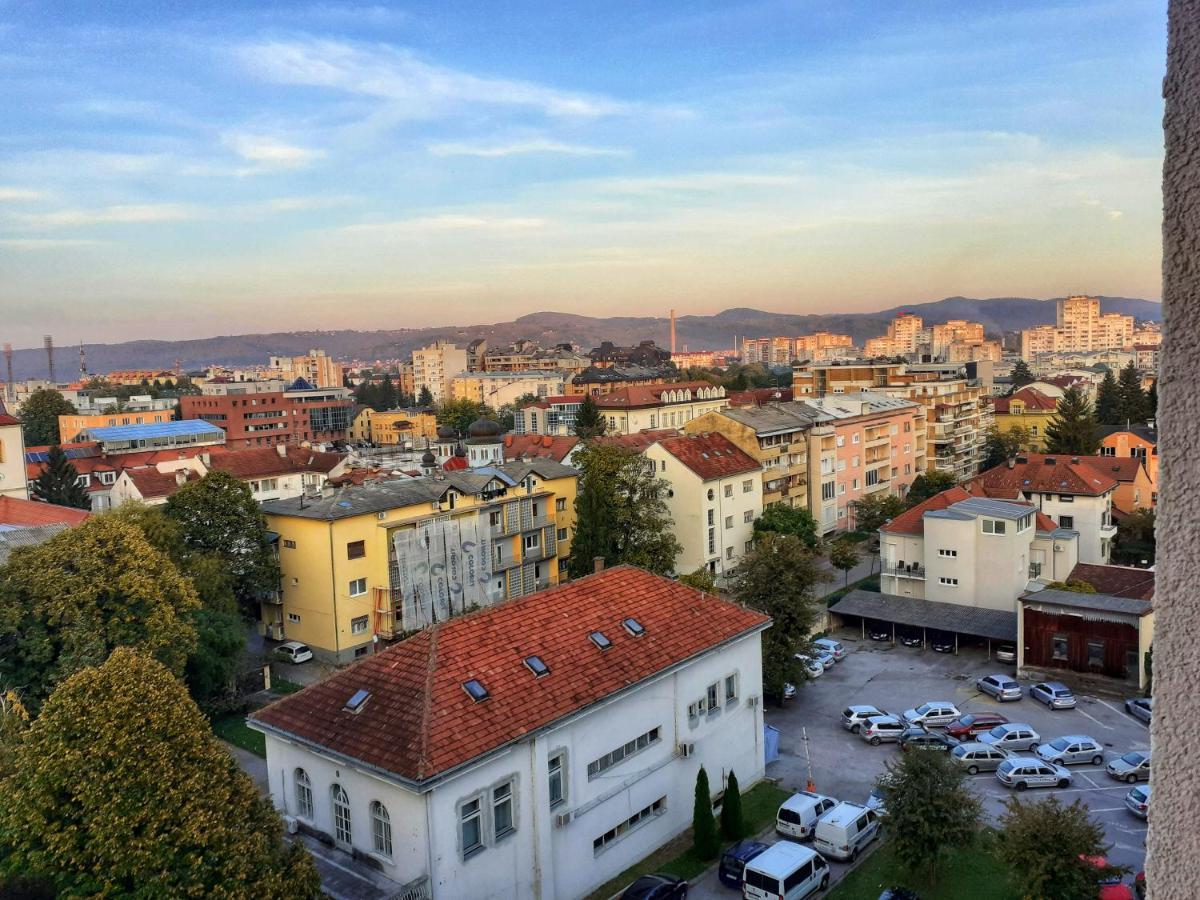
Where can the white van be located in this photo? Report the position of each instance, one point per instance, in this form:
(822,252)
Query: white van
(784,871)
(797,816)
(845,830)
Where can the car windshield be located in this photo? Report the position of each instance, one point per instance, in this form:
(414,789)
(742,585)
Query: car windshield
(924,708)
(960,751)
(1059,743)
(1007,766)
(967,720)
(1133,759)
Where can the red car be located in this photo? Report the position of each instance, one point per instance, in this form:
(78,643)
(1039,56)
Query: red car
(1111,886)
(971,725)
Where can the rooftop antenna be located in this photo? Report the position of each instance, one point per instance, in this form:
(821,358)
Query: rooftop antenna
(48,343)
(83,372)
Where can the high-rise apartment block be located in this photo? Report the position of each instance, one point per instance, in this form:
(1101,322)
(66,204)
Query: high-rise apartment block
(435,366)
(781,351)
(904,336)
(1079,326)
(315,367)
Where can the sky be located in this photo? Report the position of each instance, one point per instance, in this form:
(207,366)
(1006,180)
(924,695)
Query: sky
(185,170)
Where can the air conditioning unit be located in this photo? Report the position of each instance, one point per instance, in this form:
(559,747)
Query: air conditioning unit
(752,701)
(562,820)
(291,823)
(687,749)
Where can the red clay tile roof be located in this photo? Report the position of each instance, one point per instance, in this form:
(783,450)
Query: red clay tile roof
(639,440)
(1033,398)
(6,419)
(709,455)
(262,462)
(1117,581)
(541,446)
(455,463)
(1045,523)
(90,465)
(419,722)
(26,513)
(639,395)
(759,396)
(911,521)
(152,483)
(1043,473)
(1122,468)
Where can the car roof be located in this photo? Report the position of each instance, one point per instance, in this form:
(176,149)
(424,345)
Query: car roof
(291,645)
(970,746)
(842,814)
(1078,738)
(801,799)
(743,850)
(827,641)
(890,719)
(1024,761)
(780,859)
(862,707)
(1014,726)
(1056,686)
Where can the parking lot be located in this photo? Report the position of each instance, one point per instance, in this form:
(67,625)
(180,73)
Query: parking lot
(896,678)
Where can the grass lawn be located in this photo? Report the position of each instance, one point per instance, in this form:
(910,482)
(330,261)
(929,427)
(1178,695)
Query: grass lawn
(759,805)
(283,686)
(232,727)
(975,872)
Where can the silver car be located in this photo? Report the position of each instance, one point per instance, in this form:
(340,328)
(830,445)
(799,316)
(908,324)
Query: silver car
(1138,801)
(1140,708)
(1012,736)
(1002,687)
(878,729)
(1023,772)
(934,714)
(854,716)
(834,647)
(1070,749)
(1054,694)
(1131,767)
(977,757)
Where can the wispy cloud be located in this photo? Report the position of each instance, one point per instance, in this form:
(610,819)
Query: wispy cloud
(111,215)
(445,222)
(302,204)
(18,195)
(270,153)
(419,88)
(520,148)
(33,244)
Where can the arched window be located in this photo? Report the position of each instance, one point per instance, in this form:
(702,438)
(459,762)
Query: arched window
(304,798)
(341,815)
(381,828)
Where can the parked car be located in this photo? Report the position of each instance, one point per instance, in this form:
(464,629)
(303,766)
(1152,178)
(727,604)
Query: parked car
(932,714)
(1054,694)
(976,757)
(1023,772)
(854,716)
(733,861)
(877,802)
(973,724)
(910,638)
(658,886)
(834,647)
(1138,800)
(1002,687)
(1110,883)
(1070,749)
(878,729)
(826,658)
(294,652)
(845,830)
(785,871)
(789,692)
(923,739)
(1140,708)
(899,893)
(798,814)
(1012,736)
(879,632)
(813,668)
(1006,653)
(1131,767)
(941,642)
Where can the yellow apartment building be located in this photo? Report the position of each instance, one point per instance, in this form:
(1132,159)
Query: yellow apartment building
(1029,409)
(370,563)
(402,426)
(360,425)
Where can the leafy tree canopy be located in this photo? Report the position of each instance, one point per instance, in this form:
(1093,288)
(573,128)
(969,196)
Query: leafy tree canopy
(589,423)
(1074,585)
(1047,845)
(425,397)
(1135,538)
(1133,408)
(1073,430)
(1108,402)
(794,520)
(39,417)
(459,414)
(844,555)
(873,511)
(59,484)
(702,580)
(1000,446)
(929,484)
(1021,375)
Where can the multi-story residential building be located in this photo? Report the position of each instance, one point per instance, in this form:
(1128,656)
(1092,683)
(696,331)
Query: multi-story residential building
(974,351)
(1138,441)
(1136,490)
(550,415)
(527,356)
(715,496)
(646,354)
(1146,358)
(822,345)
(1079,326)
(776,436)
(252,418)
(904,336)
(958,547)
(402,427)
(702,359)
(496,389)
(597,380)
(434,366)
(315,367)
(13,482)
(536,748)
(1075,492)
(360,423)
(134,377)
(955,331)
(633,409)
(769,351)
(1027,408)
(865,444)
(393,556)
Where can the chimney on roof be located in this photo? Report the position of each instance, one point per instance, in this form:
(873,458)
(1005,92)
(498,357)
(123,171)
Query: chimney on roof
(598,563)
(181,476)
(1012,462)
(281,449)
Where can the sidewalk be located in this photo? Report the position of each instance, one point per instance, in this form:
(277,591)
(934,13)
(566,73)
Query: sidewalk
(868,566)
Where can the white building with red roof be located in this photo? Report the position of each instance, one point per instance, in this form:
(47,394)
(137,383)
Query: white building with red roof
(536,748)
(13,482)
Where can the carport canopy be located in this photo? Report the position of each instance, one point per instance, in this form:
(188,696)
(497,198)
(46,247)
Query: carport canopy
(993,624)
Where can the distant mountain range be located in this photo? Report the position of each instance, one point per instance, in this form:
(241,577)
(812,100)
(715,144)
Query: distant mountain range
(998,314)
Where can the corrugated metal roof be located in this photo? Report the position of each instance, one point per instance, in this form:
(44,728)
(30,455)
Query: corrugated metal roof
(1100,602)
(155,430)
(973,620)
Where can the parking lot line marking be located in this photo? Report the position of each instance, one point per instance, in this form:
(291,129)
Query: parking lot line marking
(1088,780)
(1094,719)
(1120,712)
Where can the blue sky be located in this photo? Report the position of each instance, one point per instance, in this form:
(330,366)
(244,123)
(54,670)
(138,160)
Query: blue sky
(237,167)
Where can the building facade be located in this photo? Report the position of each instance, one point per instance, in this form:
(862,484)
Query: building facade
(1079,326)
(315,367)
(408,427)
(266,418)
(632,409)
(13,481)
(434,367)
(1027,408)
(550,415)
(497,389)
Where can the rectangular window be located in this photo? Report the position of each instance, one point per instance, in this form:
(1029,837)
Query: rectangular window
(729,553)
(749,546)
(712,540)
(748,486)
(748,516)
(358,625)
(613,757)
(872,477)
(730,688)
(828,490)
(993,526)
(710,517)
(556,766)
(1095,651)
(358,587)
(1066,521)
(532,541)
(710,699)
(289,545)
(842,487)
(949,553)
(470,826)
(1066,498)
(502,810)
(562,534)
(949,582)
(729,521)
(628,825)
(356,550)
(728,490)
(854,438)
(1058,647)
(560,504)
(294,617)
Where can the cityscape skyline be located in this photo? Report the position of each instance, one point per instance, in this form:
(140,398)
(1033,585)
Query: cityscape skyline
(370,168)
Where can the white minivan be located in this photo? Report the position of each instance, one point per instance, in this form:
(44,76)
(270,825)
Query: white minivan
(845,830)
(797,816)
(784,871)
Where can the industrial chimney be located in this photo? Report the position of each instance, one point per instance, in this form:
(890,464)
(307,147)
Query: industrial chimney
(48,343)
(672,332)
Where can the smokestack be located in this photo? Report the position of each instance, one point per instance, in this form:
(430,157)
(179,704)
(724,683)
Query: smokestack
(82,363)
(672,332)
(8,383)
(48,343)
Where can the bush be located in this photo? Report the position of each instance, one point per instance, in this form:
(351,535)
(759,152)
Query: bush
(705,841)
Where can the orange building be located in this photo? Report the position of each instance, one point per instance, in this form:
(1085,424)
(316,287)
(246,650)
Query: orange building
(1138,441)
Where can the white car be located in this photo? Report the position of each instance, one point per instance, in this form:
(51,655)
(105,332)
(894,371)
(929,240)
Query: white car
(1023,772)
(294,652)
(812,667)
(934,714)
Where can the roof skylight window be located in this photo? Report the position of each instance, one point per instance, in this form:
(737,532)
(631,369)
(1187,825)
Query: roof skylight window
(537,666)
(475,690)
(634,627)
(600,640)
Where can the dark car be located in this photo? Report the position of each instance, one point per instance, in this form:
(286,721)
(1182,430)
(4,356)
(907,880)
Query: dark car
(656,887)
(973,724)
(942,642)
(879,632)
(927,740)
(911,638)
(733,861)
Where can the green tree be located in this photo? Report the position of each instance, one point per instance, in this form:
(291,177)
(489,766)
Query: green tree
(702,580)
(1049,846)
(733,823)
(217,516)
(873,511)
(705,840)
(797,521)
(1073,429)
(119,789)
(589,423)
(39,417)
(1021,375)
(931,810)
(58,483)
(928,484)
(777,577)
(459,414)
(1000,446)
(1108,402)
(67,603)
(844,555)
(386,395)
(620,512)
(1152,400)
(1133,409)
(1135,539)
(425,397)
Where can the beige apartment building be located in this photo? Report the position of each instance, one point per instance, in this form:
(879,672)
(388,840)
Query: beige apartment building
(631,409)
(904,336)
(315,367)
(435,366)
(502,388)
(1079,326)
(823,345)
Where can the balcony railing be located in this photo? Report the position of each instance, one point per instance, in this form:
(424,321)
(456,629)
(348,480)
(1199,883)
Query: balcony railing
(912,570)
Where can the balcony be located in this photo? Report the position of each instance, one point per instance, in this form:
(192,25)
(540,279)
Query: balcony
(537,522)
(912,570)
(1108,530)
